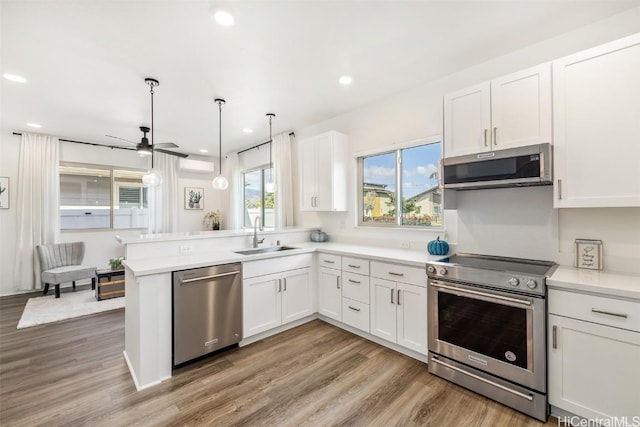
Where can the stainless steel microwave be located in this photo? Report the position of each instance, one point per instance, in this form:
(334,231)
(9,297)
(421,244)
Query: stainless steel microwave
(511,167)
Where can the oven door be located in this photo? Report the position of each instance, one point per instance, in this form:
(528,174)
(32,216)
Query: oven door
(497,332)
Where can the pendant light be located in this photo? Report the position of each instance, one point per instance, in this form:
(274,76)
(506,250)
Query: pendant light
(270,186)
(153,178)
(220,182)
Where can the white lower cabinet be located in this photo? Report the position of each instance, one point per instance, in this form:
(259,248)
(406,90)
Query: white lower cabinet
(329,293)
(399,313)
(271,300)
(593,368)
(356,314)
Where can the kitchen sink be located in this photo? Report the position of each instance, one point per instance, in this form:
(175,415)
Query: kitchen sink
(265,250)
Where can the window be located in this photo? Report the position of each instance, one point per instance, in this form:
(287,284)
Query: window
(257,200)
(409,175)
(98,197)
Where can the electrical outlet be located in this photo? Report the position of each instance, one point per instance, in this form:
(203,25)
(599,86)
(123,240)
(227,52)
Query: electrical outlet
(405,244)
(186,249)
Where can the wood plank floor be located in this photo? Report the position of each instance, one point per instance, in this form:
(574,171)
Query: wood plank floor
(72,373)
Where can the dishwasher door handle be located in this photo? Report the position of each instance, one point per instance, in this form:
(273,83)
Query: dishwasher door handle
(214,276)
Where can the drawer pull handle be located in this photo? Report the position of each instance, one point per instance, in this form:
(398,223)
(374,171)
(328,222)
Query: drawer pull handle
(555,336)
(337,282)
(354,309)
(354,266)
(329,261)
(393,273)
(609,313)
(354,281)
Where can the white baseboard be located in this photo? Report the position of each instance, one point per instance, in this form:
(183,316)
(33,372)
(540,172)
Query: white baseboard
(135,379)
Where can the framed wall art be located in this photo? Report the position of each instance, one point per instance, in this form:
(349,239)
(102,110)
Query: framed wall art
(193,198)
(4,192)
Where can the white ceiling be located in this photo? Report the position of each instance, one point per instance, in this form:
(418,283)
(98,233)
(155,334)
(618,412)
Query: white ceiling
(86,61)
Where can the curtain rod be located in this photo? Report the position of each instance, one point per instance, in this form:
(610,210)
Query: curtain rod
(261,144)
(87,143)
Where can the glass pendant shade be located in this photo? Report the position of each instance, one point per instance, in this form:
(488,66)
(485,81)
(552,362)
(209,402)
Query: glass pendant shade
(153,178)
(270,186)
(220,183)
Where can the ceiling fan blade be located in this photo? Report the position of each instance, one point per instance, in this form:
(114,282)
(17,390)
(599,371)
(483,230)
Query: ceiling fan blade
(121,139)
(173,153)
(166,145)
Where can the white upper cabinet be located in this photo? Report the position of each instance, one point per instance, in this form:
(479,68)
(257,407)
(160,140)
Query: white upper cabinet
(511,111)
(323,172)
(597,126)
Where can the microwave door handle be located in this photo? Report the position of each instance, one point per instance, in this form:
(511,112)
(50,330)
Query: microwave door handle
(482,294)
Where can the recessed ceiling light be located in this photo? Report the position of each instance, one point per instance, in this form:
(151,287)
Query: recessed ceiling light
(204,150)
(14,78)
(345,80)
(34,125)
(247,130)
(223,18)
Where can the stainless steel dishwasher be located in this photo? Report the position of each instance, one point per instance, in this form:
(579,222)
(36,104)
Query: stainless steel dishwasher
(207,310)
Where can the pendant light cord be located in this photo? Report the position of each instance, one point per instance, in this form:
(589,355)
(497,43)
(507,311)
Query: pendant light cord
(152,126)
(220,136)
(271,116)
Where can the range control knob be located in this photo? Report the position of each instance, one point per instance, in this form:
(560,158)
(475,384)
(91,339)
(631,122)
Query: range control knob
(514,281)
(431,269)
(532,284)
(442,271)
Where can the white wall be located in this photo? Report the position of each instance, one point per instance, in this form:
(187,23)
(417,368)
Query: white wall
(100,244)
(510,222)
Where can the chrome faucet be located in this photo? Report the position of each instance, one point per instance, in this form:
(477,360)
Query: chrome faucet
(257,241)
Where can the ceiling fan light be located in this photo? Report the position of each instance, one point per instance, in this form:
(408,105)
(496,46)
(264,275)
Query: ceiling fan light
(153,178)
(144,151)
(220,183)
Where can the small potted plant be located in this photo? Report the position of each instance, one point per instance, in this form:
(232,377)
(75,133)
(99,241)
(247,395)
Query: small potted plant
(212,220)
(116,263)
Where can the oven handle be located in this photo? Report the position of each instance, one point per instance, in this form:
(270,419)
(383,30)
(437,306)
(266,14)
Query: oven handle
(479,378)
(482,294)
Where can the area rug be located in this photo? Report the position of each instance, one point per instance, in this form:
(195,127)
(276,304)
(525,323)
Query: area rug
(48,309)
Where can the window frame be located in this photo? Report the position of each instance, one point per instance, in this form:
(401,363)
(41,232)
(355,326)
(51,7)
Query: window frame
(112,195)
(397,150)
(262,169)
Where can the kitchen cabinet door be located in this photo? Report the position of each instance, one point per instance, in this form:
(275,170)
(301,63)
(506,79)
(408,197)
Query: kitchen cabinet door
(383,309)
(521,108)
(323,172)
(596,102)
(412,317)
(329,293)
(467,121)
(297,301)
(262,303)
(593,369)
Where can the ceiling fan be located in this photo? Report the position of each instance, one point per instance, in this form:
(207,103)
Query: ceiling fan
(145,148)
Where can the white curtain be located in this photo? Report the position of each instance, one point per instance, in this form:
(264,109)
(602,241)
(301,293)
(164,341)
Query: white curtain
(164,199)
(38,193)
(284,185)
(235,192)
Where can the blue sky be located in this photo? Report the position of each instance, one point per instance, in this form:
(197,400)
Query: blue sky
(418,163)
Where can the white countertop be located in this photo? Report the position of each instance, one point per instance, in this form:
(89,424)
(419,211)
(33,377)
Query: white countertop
(624,285)
(206,234)
(144,267)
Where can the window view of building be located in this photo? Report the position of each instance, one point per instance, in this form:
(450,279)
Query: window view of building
(409,175)
(101,197)
(258,200)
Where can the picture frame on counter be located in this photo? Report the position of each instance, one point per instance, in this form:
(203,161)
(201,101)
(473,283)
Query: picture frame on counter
(589,254)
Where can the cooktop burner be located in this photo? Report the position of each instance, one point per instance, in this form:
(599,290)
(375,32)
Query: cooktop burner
(514,274)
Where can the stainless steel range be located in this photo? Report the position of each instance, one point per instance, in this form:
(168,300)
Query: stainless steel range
(487,327)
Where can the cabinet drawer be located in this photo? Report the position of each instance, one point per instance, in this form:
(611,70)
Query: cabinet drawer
(355,265)
(399,273)
(356,287)
(355,313)
(276,265)
(597,309)
(330,261)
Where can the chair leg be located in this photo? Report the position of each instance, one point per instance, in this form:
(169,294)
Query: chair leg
(46,289)
(57,291)
(74,285)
